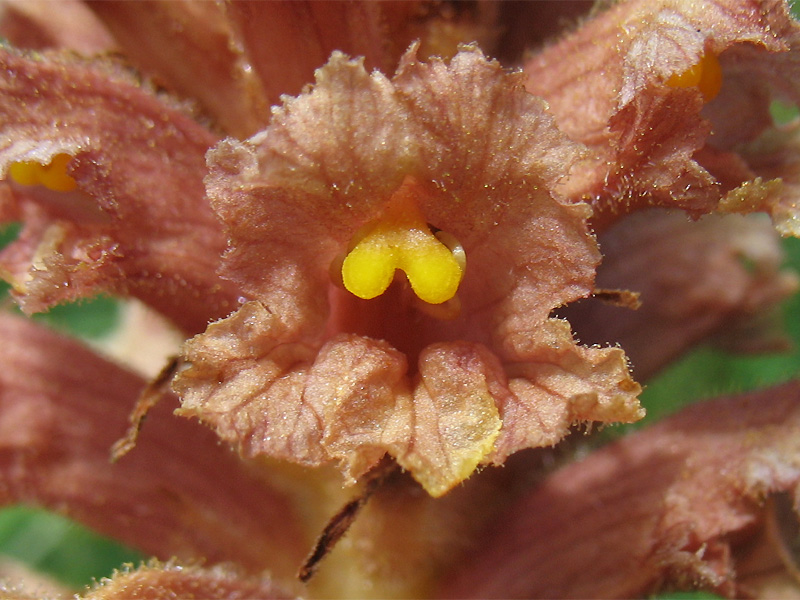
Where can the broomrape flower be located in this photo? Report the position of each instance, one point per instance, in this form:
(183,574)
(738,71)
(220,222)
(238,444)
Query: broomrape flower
(452,365)
(369,270)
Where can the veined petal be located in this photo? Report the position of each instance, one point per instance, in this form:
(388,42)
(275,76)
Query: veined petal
(555,383)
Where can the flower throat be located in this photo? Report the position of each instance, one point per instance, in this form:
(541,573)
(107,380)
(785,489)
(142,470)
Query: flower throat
(433,262)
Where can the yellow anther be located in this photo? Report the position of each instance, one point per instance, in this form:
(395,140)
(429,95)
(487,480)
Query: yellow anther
(55,175)
(25,172)
(52,176)
(705,74)
(402,240)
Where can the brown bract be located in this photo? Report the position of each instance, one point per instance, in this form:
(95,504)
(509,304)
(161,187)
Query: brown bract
(677,504)
(138,223)
(310,373)
(657,144)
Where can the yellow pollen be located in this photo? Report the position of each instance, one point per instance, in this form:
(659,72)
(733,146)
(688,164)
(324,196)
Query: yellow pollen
(705,74)
(402,240)
(52,176)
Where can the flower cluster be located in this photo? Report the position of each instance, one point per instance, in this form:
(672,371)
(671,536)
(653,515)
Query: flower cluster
(373,238)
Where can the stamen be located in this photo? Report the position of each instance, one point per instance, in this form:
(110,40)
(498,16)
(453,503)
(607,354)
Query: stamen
(402,240)
(705,74)
(52,176)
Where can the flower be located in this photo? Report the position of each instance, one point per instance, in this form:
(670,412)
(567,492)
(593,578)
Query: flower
(383,264)
(465,150)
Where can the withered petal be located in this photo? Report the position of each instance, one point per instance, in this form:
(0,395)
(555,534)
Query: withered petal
(139,223)
(178,493)
(670,504)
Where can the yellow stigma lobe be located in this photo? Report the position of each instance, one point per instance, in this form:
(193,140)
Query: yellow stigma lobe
(705,74)
(402,240)
(52,176)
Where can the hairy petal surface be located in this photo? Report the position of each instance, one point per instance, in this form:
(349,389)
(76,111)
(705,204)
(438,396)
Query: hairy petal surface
(178,493)
(319,375)
(555,384)
(671,504)
(138,223)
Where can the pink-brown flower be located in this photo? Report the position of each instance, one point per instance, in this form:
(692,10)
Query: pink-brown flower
(308,372)
(663,92)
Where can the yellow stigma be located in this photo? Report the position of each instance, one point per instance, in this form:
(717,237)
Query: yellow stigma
(402,240)
(705,74)
(52,176)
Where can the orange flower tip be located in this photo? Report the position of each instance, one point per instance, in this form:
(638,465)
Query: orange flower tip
(705,74)
(53,176)
(433,263)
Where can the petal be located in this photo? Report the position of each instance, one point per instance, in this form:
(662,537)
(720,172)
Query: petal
(494,156)
(246,379)
(359,386)
(178,493)
(555,383)
(348,402)
(669,505)
(269,190)
(138,223)
(455,421)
